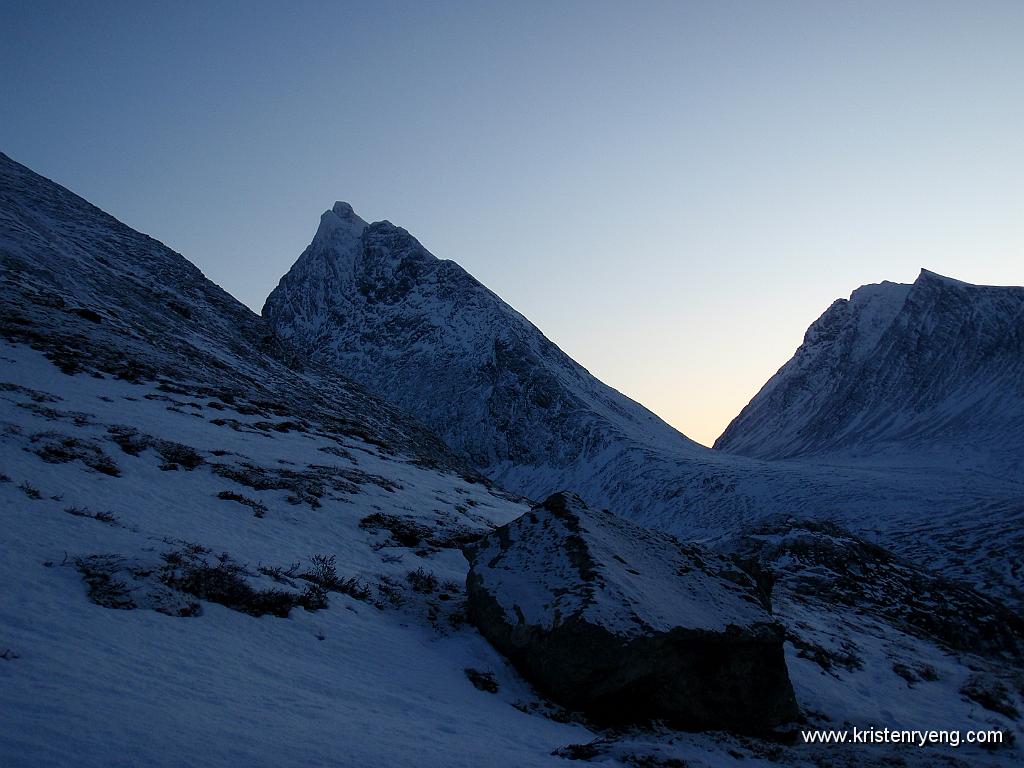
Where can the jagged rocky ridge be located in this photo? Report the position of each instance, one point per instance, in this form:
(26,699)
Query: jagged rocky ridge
(928,372)
(369,300)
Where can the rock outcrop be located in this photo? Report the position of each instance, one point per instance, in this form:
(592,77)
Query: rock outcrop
(629,625)
(818,563)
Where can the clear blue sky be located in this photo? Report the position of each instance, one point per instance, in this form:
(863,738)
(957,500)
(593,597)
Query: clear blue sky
(671,191)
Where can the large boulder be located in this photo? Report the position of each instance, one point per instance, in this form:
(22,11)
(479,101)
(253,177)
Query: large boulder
(629,625)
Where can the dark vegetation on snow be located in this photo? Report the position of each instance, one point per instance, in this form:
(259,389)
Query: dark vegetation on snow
(259,509)
(114,581)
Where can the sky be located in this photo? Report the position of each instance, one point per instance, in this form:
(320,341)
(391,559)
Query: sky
(672,192)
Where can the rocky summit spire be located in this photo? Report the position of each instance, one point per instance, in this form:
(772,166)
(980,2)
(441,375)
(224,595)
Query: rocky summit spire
(327,263)
(339,226)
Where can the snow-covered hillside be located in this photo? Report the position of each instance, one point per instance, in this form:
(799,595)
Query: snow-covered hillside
(931,372)
(379,675)
(216,553)
(372,303)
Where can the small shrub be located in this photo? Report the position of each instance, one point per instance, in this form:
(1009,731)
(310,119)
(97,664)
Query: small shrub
(31,491)
(313,598)
(323,573)
(482,681)
(225,585)
(259,509)
(991,693)
(422,581)
(104,589)
(55,448)
(176,454)
(103,517)
(390,591)
(279,574)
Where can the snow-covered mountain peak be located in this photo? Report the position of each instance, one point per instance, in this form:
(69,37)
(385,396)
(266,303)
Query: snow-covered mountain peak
(340,228)
(426,334)
(926,275)
(344,210)
(897,369)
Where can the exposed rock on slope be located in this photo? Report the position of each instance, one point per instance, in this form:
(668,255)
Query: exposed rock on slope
(626,624)
(819,562)
(933,371)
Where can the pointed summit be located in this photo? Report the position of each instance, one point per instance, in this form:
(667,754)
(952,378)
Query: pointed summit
(344,210)
(340,223)
(926,276)
(327,263)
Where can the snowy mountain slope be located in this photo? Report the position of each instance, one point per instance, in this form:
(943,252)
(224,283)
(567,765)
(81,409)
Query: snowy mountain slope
(87,685)
(173,484)
(933,370)
(101,666)
(370,301)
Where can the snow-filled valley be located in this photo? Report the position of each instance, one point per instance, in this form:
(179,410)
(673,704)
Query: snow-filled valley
(218,552)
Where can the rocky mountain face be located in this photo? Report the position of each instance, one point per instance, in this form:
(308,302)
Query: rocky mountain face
(930,372)
(369,301)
